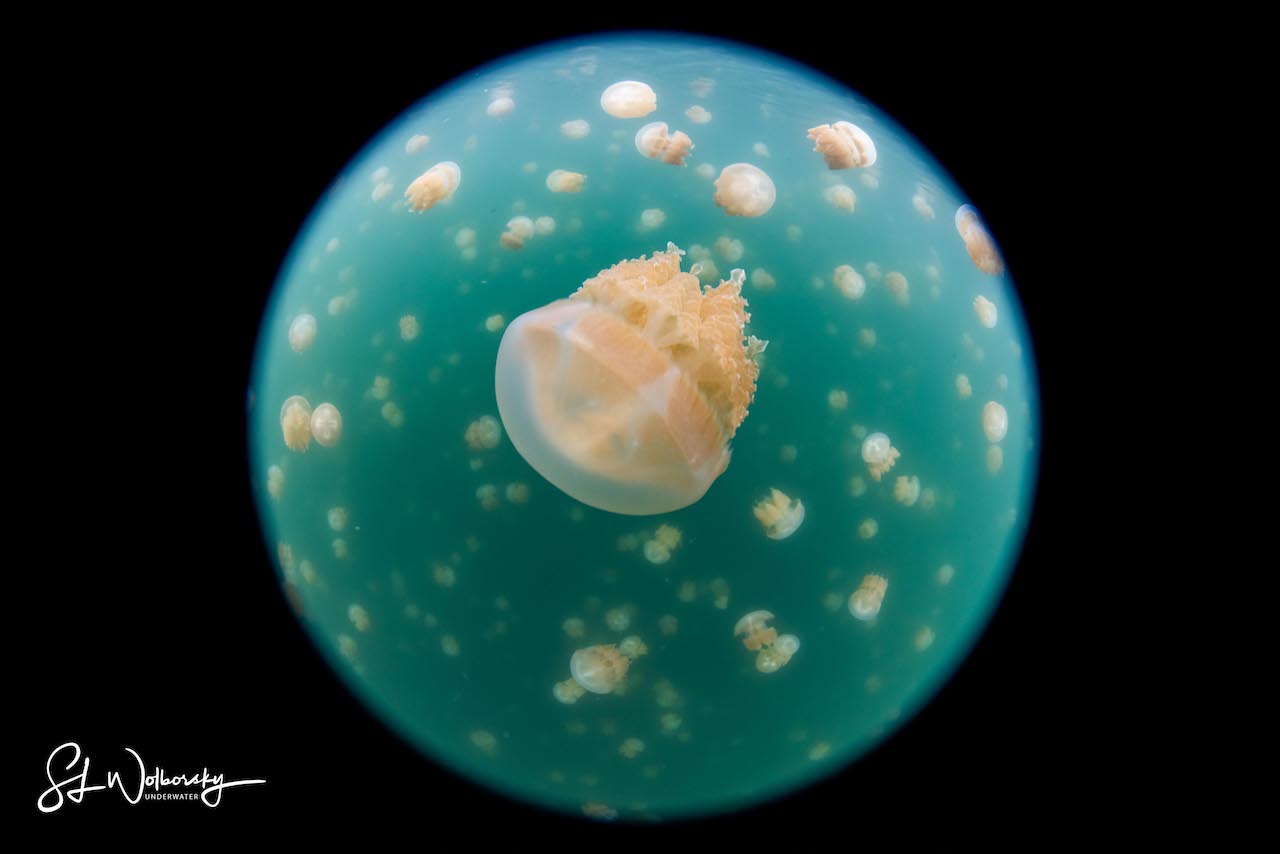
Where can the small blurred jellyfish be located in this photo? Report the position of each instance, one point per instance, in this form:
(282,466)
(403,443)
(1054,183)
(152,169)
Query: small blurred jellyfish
(487,495)
(923,639)
(522,227)
(359,617)
(838,399)
(308,571)
(416,143)
(494,322)
(275,481)
(982,250)
(338,518)
(436,184)
(409,327)
(867,337)
(763,279)
(629,99)
(640,322)
(449,646)
(760,149)
(920,201)
(687,591)
(382,191)
(485,432)
(702,87)
(499,107)
(897,284)
(444,575)
(773,658)
(618,619)
(868,528)
(755,631)
(698,115)
(517,493)
(392,414)
(995,458)
(995,421)
(655,142)
(568,691)
(484,741)
(564,181)
(602,811)
(986,311)
(744,190)
(332,246)
(849,282)
(963,389)
(381,388)
(633,647)
(302,333)
(719,589)
(843,145)
(631,748)
(873,271)
(652,218)
(1002,382)
(544,225)
(706,271)
(705,170)
(379,175)
(347,647)
(788,453)
(864,603)
(599,669)
(780,515)
(842,197)
(857,486)
(729,249)
(945,573)
(668,624)
(795,233)
(878,454)
(575,129)
(465,237)
(574,627)
(906,490)
(326,425)
(340,548)
(665,540)
(295,422)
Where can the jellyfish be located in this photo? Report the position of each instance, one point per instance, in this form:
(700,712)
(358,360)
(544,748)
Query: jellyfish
(920,201)
(850,282)
(773,658)
(983,307)
(744,190)
(544,225)
(275,481)
(878,454)
(864,603)
(487,495)
(838,399)
(906,490)
(522,227)
(632,647)
(982,250)
(499,107)
(409,327)
(729,249)
(780,515)
(995,458)
(494,322)
(599,669)
(575,129)
(465,237)
(702,86)
(483,433)
(841,196)
(629,99)
(626,395)
(392,414)
(295,421)
(359,617)
(763,279)
(705,170)
(564,181)
(382,191)
(898,286)
(963,389)
(760,149)
(654,142)
(326,425)
(338,518)
(698,115)
(995,421)
(416,143)
(843,145)
(437,183)
(755,630)
(302,333)
(517,493)
(652,218)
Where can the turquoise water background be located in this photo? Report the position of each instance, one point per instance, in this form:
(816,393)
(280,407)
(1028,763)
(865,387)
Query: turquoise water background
(520,570)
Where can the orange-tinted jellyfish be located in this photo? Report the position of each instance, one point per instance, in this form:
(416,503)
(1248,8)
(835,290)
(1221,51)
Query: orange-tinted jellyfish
(626,395)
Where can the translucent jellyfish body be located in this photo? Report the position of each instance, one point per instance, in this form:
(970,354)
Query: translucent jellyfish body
(864,603)
(657,143)
(302,333)
(326,425)
(564,181)
(625,395)
(843,145)
(436,184)
(982,249)
(629,99)
(576,129)
(599,669)
(780,515)
(773,658)
(755,630)
(995,421)
(295,422)
(841,197)
(878,454)
(744,190)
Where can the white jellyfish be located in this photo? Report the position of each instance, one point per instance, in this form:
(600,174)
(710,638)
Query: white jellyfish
(906,490)
(898,286)
(843,145)
(575,129)
(494,323)
(295,423)
(982,249)
(599,669)
(382,191)
(416,143)
(864,603)
(436,184)
(652,218)
(878,454)
(729,249)
(409,327)
(849,282)
(499,107)
(838,400)
(780,515)
(705,170)
(629,99)
(995,458)
(326,425)
(483,433)
(995,421)
(763,279)
(544,225)
(744,190)
(698,115)
(657,143)
(564,181)
(522,227)
(841,196)
(773,658)
(963,388)
(338,518)
(986,311)
(302,333)
(920,201)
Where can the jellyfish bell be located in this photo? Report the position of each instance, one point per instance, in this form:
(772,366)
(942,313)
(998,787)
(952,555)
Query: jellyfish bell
(978,242)
(295,422)
(436,184)
(326,425)
(599,669)
(302,333)
(843,145)
(780,514)
(564,181)
(625,395)
(629,99)
(995,421)
(878,454)
(744,190)
(657,143)
(755,630)
(864,603)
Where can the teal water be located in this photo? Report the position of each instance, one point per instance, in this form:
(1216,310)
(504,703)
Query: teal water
(449,619)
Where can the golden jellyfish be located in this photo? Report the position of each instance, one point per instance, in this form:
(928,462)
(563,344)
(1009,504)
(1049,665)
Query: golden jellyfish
(763,279)
(338,518)
(995,458)
(982,249)
(522,227)
(963,388)
(849,282)
(494,322)
(599,669)
(698,115)
(275,481)
(483,433)
(780,515)
(983,307)
(702,86)
(995,421)
(326,425)
(761,149)
(629,99)
(576,129)
(632,647)
(564,181)
(729,249)
(626,395)
(773,658)
(544,225)
(416,143)
(295,422)
(409,327)
(302,333)
(744,190)
(906,490)
(842,197)
(755,630)
(878,454)
(864,603)
(436,184)
(655,142)
(838,400)
(843,145)
(898,286)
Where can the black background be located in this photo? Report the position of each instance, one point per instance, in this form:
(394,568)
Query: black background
(178,170)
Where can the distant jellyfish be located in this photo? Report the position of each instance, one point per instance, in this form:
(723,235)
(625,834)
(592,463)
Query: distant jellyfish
(599,669)
(744,190)
(409,327)
(511,240)
(576,129)
(773,658)
(923,639)
(864,603)
(995,421)
(982,249)
(906,490)
(380,174)
(544,225)
(494,322)
(326,425)
(983,307)
(499,107)
(392,414)
(416,143)
(841,196)
(945,573)
(632,647)
(631,748)
(359,617)
(838,400)
(465,237)
(275,481)
(705,170)
(729,249)
(564,181)
(849,282)
(780,515)
(522,227)
(337,517)
(702,86)
(878,454)
(517,493)
(487,495)
(763,279)
(483,433)
(963,389)
(295,421)
(755,630)
(652,218)
(698,115)
(843,145)
(898,286)
(302,333)
(920,201)
(655,142)
(436,184)
(629,99)
(995,458)
(760,149)
(626,395)
(382,191)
